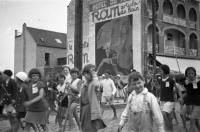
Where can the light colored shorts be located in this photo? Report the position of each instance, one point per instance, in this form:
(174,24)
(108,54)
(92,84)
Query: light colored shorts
(107,99)
(167,106)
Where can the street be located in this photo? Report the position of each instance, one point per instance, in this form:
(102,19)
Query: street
(108,115)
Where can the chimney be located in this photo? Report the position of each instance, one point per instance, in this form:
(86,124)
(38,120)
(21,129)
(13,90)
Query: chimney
(15,33)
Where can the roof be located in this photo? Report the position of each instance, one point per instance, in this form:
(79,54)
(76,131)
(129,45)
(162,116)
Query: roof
(48,38)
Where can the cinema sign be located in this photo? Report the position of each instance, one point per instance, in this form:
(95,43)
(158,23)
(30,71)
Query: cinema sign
(104,10)
(110,9)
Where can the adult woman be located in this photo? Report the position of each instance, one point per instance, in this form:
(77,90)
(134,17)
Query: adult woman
(192,99)
(90,112)
(36,104)
(66,73)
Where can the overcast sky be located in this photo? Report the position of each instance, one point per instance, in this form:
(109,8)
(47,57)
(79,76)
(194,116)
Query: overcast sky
(43,14)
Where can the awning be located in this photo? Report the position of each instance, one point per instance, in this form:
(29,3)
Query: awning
(181,64)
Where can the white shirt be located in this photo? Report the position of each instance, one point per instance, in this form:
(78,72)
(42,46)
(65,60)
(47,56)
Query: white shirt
(61,88)
(68,78)
(136,104)
(109,87)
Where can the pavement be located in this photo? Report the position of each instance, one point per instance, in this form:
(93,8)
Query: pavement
(108,115)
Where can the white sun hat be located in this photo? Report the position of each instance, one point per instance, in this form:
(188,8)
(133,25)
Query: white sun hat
(22,76)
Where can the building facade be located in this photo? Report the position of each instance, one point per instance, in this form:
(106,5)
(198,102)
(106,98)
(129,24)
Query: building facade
(38,48)
(117,34)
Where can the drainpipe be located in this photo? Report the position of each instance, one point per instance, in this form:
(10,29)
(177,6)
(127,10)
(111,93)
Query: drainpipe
(24,47)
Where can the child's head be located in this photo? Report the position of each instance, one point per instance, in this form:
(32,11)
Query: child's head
(136,82)
(165,69)
(34,74)
(61,78)
(21,77)
(190,73)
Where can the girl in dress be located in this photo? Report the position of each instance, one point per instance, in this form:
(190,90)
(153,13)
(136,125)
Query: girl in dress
(36,105)
(90,111)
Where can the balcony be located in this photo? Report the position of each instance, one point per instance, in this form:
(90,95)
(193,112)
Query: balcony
(149,47)
(192,24)
(170,48)
(193,52)
(172,20)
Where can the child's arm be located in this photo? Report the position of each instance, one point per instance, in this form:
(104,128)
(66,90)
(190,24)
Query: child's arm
(125,113)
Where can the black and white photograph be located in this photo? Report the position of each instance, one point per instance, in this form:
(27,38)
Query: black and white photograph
(100,66)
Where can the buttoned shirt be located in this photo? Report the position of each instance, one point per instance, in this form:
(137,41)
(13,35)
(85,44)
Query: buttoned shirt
(144,101)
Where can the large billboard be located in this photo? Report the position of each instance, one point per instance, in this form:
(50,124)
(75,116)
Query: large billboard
(114,46)
(111,34)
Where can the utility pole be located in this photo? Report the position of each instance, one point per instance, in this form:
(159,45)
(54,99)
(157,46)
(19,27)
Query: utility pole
(153,38)
(78,37)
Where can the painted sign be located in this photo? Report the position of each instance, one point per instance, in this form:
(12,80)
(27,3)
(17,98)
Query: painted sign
(111,35)
(114,46)
(85,51)
(70,52)
(110,9)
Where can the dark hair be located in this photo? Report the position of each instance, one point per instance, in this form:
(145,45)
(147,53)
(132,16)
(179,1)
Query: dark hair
(89,68)
(107,71)
(8,73)
(180,78)
(34,71)
(74,70)
(60,76)
(190,68)
(165,69)
(135,76)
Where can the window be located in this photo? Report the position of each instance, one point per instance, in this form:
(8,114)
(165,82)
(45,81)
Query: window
(169,36)
(42,39)
(193,15)
(193,45)
(167,7)
(61,61)
(58,41)
(149,4)
(181,11)
(47,59)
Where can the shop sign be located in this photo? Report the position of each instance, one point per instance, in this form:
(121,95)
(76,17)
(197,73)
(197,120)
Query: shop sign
(110,9)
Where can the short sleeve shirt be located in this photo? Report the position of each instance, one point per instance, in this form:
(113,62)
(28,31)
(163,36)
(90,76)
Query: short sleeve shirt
(193,93)
(167,89)
(32,92)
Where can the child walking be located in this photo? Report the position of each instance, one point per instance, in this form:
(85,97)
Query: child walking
(142,108)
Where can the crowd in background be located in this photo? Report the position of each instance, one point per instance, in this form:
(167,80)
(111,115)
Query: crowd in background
(79,97)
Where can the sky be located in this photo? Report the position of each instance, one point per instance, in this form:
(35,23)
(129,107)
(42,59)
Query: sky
(43,14)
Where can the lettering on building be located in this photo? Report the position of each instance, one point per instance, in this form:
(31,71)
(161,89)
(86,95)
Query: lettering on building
(85,57)
(110,9)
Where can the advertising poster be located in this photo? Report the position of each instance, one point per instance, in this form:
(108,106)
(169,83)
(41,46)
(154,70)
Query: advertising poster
(113,42)
(114,46)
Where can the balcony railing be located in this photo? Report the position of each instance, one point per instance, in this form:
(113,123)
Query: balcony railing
(149,47)
(173,20)
(192,24)
(170,48)
(193,52)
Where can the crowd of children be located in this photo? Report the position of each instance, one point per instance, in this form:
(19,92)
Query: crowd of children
(28,100)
